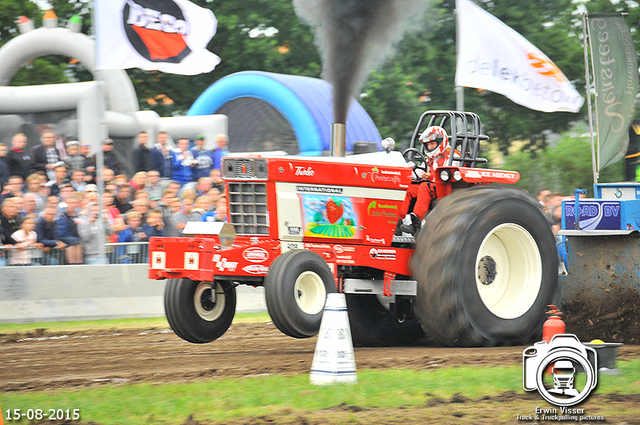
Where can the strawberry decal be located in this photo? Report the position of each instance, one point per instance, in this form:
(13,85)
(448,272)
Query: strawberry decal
(329,217)
(334,210)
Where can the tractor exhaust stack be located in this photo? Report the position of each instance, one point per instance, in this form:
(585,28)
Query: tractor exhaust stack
(338,139)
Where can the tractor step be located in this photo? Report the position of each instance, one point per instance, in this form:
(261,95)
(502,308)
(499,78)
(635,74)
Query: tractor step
(377,287)
(403,239)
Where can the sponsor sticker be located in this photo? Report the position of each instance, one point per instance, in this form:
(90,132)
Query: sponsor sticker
(294,230)
(304,171)
(382,209)
(256,269)
(319,189)
(222,264)
(255,254)
(387,176)
(158,259)
(339,249)
(191,261)
(317,246)
(380,241)
(382,254)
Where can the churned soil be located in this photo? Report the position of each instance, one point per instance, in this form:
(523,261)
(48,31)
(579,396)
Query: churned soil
(43,360)
(614,317)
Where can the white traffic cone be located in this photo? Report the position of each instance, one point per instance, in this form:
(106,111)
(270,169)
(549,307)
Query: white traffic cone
(334,360)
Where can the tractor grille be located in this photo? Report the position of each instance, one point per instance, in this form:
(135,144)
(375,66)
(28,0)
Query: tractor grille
(248,208)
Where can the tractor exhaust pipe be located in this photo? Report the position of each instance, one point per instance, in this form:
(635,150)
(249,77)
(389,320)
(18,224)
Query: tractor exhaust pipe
(338,139)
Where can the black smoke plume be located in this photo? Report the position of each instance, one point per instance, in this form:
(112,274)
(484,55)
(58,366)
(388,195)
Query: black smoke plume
(354,36)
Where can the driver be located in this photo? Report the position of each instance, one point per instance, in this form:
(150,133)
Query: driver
(436,150)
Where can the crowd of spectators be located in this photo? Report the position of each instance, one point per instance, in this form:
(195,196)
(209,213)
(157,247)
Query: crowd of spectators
(50,211)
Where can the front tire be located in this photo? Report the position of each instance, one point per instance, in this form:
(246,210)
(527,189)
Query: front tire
(296,289)
(486,267)
(199,312)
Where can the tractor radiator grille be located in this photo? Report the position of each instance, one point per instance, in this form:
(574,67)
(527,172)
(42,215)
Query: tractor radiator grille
(248,208)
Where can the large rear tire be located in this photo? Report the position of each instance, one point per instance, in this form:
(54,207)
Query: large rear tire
(296,289)
(486,267)
(373,325)
(199,312)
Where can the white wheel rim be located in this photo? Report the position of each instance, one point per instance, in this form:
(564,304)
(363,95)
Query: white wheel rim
(508,271)
(310,293)
(209,302)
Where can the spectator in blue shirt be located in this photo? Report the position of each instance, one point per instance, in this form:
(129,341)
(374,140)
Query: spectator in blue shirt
(220,150)
(45,228)
(183,162)
(132,233)
(66,229)
(154,227)
(204,161)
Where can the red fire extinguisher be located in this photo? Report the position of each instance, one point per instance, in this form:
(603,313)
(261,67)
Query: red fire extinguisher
(553,325)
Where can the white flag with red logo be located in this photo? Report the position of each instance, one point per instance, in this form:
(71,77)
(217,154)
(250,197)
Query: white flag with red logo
(494,57)
(165,35)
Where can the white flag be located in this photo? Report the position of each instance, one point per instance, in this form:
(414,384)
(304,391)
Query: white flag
(494,57)
(165,35)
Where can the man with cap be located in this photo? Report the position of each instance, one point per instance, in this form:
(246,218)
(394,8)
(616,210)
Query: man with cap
(110,159)
(142,154)
(204,161)
(74,160)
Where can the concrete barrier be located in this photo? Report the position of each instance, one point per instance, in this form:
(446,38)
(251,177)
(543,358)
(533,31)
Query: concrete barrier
(62,293)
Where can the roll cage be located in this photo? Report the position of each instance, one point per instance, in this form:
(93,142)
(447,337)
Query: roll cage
(464,130)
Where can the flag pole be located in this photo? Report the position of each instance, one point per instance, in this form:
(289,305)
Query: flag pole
(585,36)
(99,154)
(460,98)
(459,89)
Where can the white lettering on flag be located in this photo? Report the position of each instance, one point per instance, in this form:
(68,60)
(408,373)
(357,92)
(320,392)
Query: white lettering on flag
(165,35)
(494,57)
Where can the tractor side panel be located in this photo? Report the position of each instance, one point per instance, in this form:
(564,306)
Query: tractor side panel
(337,214)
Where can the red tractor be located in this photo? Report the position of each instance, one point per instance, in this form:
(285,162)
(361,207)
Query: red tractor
(480,272)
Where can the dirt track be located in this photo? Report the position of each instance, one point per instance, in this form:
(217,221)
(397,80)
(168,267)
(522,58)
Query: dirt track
(41,360)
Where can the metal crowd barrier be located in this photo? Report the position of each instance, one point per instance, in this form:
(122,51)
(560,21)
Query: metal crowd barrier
(117,253)
(128,252)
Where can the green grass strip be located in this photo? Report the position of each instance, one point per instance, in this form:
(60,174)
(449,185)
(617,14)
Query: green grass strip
(217,401)
(137,323)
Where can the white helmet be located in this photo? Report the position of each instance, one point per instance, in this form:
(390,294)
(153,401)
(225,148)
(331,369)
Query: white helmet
(437,134)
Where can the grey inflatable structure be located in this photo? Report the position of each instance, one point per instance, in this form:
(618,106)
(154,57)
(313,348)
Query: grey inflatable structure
(105,107)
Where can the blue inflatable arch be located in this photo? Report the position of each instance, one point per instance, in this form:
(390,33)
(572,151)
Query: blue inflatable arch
(303,101)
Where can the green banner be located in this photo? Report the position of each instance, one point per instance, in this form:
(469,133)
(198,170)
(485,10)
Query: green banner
(615,76)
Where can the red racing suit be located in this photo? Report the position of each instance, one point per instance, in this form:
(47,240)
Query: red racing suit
(421,189)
